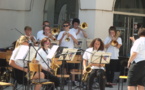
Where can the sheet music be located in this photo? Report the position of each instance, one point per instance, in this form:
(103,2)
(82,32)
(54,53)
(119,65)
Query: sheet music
(96,57)
(70,54)
(52,51)
(32,53)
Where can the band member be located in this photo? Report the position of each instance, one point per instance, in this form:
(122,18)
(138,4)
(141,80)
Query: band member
(28,33)
(45,44)
(67,38)
(136,63)
(112,45)
(97,69)
(76,28)
(40,32)
(20,65)
(46,33)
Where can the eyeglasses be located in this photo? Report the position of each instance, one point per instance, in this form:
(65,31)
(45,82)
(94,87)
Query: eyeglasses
(65,25)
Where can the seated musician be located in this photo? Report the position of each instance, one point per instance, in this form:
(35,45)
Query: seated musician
(97,69)
(43,51)
(20,65)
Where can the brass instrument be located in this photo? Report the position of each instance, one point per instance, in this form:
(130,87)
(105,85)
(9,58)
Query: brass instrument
(67,39)
(55,31)
(114,42)
(54,67)
(84,25)
(85,76)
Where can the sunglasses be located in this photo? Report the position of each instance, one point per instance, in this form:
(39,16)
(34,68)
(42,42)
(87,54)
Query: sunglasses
(65,25)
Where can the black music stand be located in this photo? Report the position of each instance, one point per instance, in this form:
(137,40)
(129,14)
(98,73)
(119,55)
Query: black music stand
(67,55)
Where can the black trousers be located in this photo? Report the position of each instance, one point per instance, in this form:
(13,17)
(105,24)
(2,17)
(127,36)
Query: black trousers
(51,77)
(100,74)
(19,76)
(114,66)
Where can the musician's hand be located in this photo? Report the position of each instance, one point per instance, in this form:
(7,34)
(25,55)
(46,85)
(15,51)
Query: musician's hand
(128,65)
(84,71)
(25,70)
(64,33)
(69,35)
(132,39)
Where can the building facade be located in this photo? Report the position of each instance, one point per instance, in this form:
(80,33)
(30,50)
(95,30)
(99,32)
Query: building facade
(98,14)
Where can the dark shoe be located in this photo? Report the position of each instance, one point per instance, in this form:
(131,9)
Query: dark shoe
(73,83)
(109,85)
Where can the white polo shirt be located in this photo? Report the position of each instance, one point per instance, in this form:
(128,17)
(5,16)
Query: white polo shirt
(139,48)
(79,35)
(39,33)
(19,55)
(44,56)
(87,55)
(64,43)
(113,50)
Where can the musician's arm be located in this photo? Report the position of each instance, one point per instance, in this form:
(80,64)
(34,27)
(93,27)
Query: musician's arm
(118,46)
(84,63)
(13,64)
(84,33)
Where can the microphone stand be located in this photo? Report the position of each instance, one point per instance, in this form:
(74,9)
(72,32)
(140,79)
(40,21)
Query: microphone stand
(29,57)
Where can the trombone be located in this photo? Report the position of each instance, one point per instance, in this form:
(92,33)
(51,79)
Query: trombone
(84,25)
(55,31)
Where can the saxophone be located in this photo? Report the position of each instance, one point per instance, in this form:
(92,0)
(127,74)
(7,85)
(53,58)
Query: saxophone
(85,75)
(54,67)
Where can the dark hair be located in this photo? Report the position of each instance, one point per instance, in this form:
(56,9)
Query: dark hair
(27,27)
(76,20)
(112,28)
(45,22)
(43,41)
(101,43)
(141,32)
(66,22)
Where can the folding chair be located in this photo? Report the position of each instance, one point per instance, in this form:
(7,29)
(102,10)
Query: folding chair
(34,67)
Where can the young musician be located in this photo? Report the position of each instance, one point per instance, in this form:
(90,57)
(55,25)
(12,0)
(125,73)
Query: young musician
(28,33)
(44,51)
(79,32)
(19,63)
(136,63)
(98,70)
(112,45)
(46,33)
(40,32)
(67,34)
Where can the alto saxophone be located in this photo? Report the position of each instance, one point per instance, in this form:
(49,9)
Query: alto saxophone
(54,67)
(85,75)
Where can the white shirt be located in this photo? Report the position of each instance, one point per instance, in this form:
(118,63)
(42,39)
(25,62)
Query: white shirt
(19,55)
(113,50)
(139,48)
(39,33)
(80,35)
(42,36)
(44,56)
(87,55)
(64,43)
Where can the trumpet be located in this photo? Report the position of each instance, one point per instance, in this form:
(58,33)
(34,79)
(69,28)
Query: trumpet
(67,39)
(88,70)
(55,31)
(114,41)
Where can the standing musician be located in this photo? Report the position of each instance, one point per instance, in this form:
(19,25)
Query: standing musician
(40,32)
(20,66)
(97,69)
(79,32)
(28,33)
(112,45)
(44,51)
(136,63)
(46,33)
(67,38)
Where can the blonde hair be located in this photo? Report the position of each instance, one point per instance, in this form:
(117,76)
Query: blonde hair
(21,40)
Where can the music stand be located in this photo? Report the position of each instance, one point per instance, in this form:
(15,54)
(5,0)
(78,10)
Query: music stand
(67,55)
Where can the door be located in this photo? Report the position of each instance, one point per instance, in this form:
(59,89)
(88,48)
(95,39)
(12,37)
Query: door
(128,26)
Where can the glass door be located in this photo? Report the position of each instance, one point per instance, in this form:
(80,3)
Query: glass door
(127,26)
